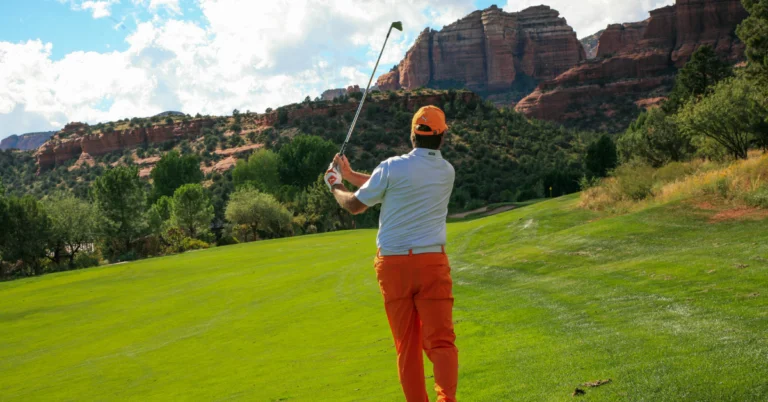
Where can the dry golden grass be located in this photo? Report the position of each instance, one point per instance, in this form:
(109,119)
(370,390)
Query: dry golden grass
(744,182)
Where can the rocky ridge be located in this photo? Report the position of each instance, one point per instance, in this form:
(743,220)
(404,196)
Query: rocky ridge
(26,142)
(76,141)
(636,62)
(489,51)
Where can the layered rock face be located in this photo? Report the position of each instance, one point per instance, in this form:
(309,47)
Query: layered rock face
(489,51)
(637,61)
(26,142)
(75,140)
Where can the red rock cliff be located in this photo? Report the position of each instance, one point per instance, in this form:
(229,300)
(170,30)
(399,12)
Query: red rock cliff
(488,51)
(637,61)
(75,140)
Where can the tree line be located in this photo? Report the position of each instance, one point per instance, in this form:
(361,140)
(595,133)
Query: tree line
(271,194)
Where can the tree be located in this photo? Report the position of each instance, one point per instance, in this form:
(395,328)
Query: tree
(696,78)
(192,210)
(321,210)
(303,159)
(119,195)
(172,171)
(74,225)
(159,214)
(27,231)
(601,156)
(753,31)
(261,171)
(656,139)
(733,116)
(260,212)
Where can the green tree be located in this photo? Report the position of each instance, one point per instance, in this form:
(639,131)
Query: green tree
(303,159)
(27,233)
(697,77)
(173,171)
(753,31)
(74,225)
(733,115)
(601,156)
(159,214)
(192,210)
(656,139)
(260,171)
(120,197)
(261,213)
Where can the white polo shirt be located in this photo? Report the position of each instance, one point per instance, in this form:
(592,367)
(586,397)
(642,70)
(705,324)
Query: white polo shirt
(414,190)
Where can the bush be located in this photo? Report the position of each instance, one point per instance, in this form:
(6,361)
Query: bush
(635,180)
(673,172)
(227,240)
(759,198)
(193,244)
(127,256)
(87,260)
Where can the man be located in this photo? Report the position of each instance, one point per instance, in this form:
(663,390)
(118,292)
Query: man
(411,264)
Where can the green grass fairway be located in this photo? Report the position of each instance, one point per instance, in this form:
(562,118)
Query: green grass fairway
(667,305)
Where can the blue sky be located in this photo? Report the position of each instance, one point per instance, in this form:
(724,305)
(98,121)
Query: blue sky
(101,60)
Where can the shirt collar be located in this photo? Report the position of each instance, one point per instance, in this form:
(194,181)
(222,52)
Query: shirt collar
(429,153)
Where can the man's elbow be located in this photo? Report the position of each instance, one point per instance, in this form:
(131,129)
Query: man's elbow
(355,207)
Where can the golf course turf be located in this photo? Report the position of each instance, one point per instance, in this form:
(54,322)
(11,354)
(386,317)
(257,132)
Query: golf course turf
(664,302)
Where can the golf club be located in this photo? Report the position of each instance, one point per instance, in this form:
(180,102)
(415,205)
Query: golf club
(399,26)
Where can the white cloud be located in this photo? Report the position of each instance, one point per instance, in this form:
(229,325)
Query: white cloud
(171,6)
(590,16)
(100,9)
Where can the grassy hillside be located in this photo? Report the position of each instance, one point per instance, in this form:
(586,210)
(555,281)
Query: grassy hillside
(666,302)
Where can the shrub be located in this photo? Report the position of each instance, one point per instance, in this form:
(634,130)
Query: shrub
(87,260)
(635,180)
(759,198)
(193,244)
(673,171)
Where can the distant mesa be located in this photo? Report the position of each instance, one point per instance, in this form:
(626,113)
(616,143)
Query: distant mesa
(490,52)
(169,113)
(533,60)
(635,64)
(332,94)
(26,142)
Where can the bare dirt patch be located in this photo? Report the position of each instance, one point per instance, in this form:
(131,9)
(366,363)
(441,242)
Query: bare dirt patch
(707,206)
(740,213)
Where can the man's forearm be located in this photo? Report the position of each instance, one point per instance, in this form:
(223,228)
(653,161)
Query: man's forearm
(357,179)
(347,200)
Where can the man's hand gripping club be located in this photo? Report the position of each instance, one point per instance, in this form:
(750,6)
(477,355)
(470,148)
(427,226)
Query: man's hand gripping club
(334,177)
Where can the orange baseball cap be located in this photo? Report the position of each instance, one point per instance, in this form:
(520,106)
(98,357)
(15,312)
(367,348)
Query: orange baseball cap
(432,117)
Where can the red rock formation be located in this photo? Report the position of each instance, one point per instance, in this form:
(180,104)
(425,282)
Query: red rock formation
(638,61)
(74,140)
(488,50)
(619,37)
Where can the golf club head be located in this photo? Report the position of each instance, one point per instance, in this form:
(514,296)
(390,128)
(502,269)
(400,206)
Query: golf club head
(398,25)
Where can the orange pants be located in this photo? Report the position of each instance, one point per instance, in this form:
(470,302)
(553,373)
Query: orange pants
(419,303)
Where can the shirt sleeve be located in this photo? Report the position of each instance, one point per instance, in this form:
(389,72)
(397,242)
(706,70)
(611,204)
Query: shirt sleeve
(372,192)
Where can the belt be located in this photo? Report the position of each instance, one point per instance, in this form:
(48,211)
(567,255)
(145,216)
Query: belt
(415,250)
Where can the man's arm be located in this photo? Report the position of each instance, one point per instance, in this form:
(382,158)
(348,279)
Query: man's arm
(347,199)
(355,178)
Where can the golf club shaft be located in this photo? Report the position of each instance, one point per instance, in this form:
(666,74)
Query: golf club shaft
(365,94)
